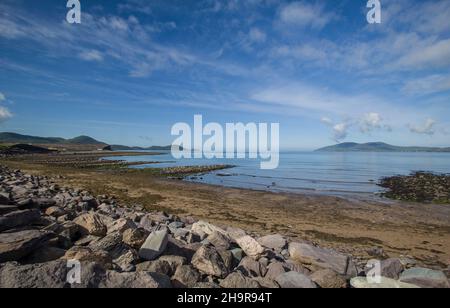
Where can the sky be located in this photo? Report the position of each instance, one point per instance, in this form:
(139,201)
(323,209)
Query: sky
(134,68)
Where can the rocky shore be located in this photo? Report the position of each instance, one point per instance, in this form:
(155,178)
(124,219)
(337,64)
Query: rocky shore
(45,229)
(418,187)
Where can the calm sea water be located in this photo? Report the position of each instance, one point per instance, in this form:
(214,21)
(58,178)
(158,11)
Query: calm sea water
(311,172)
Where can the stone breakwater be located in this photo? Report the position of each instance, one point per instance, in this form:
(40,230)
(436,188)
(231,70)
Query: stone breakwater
(44,229)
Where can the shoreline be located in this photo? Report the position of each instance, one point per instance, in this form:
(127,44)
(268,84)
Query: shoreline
(350,226)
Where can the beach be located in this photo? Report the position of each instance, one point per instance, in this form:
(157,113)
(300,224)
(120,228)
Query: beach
(353,226)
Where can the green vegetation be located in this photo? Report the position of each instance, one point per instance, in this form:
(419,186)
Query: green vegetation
(377,147)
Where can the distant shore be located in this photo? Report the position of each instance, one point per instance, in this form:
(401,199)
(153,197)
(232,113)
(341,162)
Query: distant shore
(351,226)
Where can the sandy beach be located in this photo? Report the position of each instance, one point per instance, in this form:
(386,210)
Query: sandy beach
(420,231)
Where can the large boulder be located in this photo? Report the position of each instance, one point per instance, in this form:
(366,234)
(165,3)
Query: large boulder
(237,280)
(91,223)
(389,268)
(328,279)
(250,246)
(135,237)
(174,261)
(16,245)
(157,266)
(219,240)
(325,258)
(19,219)
(251,268)
(294,280)
(43,275)
(111,243)
(275,242)
(208,260)
(425,278)
(154,245)
(185,277)
(202,227)
(138,280)
(5,209)
(274,270)
(88,255)
(121,225)
(383,283)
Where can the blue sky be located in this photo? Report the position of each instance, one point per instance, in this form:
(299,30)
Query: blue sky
(133,68)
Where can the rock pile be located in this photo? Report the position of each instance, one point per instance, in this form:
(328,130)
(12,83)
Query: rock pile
(52,236)
(418,187)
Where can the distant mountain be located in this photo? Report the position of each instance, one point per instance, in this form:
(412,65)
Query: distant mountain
(377,147)
(152,148)
(18,138)
(85,141)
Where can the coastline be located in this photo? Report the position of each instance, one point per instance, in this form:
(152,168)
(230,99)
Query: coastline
(419,231)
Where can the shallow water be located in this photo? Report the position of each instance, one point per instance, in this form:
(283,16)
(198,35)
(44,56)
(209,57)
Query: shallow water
(324,173)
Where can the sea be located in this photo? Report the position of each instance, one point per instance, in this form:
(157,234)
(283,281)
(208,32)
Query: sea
(327,173)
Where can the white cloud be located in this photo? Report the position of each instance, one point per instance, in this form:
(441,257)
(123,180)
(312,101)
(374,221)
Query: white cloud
(92,55)
(370,121)
(5,114)
(434,55)
(427,85)
(2,97)
(340,130)
(427,129)
(305,15)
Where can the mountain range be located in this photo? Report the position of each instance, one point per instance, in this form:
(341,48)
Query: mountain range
(14,138)
(377,147)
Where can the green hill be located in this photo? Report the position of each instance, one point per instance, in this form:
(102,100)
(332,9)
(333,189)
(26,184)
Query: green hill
(18,138)
(377,147)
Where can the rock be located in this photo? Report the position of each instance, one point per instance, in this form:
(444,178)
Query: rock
(176,225)
(43,203)
(174,262)
(111,243)
(121,225)
(237,280)
(376,252)
(157,266)
(5,198)
(425,278)
(154,245)
(91,223)
(235,233)
(328,279)
(136,280)
(55,211)
(294,280)
(86,254)
(185,277)
(85,241)
(295,267)
(202,227)
(227,258)
(206,285)
(274,270)
(219,240)
(390,268)
(70,230)
(385,283)
(238,254)
(251,268)
(14,246)
(5,209)
(275,242)
(208,261)
(135,237)
(250,246)
(266,283)
(324,258)
(18,219)
(45,254)
(43,275)
(127,261)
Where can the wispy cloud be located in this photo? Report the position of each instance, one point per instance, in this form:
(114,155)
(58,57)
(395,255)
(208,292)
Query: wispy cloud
(91,55)
(306,15)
